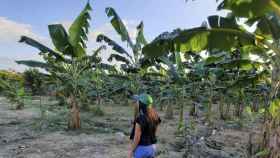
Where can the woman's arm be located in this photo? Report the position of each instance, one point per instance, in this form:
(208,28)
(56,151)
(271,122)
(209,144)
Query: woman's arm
(136,137)
(136,140)
(156,131)
(159,121)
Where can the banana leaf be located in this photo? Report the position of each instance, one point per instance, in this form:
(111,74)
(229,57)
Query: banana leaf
(113,44)
(221,36)
(119,58)
(241,63)
(140,39)
(119,25)
(59,38)
(269,26)
(44,49)
(33,63)
(248,8)
(78,31)
(248,80)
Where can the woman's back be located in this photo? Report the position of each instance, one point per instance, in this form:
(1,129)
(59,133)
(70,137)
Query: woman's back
(148,129)
(143,134)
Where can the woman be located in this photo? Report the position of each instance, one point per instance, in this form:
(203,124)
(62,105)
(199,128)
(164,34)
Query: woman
(143,134)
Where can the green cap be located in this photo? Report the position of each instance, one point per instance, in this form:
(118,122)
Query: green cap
(144,98)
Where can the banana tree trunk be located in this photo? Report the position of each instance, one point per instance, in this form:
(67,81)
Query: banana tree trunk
(227,113)
(20,106)
(193,110)
(182,102)
(255,106)
(169,111)
(98,100)
(19,103)
(209,111)
(239,110)
(181,117)
(271,128)
(222,110)
(74,120)
(209,107)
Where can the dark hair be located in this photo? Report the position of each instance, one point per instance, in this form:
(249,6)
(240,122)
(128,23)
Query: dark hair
(142,108)
(150,114)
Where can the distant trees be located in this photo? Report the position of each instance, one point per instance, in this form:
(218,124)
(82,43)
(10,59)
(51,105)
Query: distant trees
(34,80)
(11,86)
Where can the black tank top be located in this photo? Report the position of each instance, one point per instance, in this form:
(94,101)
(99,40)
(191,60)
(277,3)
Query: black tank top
(148,132)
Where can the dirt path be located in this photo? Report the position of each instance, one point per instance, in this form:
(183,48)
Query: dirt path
(18,139)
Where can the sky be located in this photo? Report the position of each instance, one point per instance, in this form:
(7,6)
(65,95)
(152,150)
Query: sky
(31,18)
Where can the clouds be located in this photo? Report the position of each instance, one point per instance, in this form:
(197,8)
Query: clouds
(10,64)
(10,31)
(10,49)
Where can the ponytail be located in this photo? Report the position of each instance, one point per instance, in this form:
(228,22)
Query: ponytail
(153,116)
(150,113)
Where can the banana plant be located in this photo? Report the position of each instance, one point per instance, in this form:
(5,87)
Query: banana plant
(166,43)
(266,15)
(130,60)
(74,83)
(218,65)
(68,45)
(69,60)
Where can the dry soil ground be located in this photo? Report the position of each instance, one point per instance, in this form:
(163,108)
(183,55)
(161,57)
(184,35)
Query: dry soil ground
(36,132)
(26,134)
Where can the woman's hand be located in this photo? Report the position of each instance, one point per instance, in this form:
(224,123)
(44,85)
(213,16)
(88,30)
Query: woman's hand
(136,140)
(130,154)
